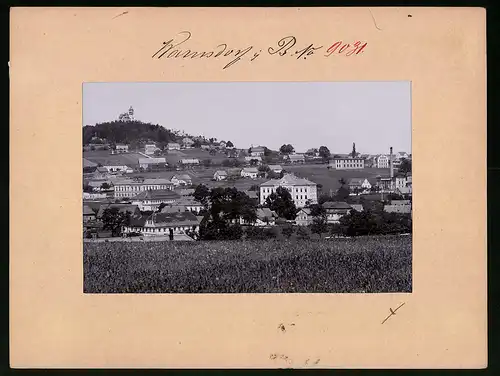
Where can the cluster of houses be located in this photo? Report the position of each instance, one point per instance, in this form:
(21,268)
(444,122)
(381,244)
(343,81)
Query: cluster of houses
(166,207)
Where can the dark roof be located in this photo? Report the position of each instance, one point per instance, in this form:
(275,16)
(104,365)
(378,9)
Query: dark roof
(336,205)
(87,210)
(123,208)
(185,218)
(157,194)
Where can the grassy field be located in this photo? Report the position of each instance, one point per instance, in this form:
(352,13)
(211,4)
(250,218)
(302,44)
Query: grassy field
(371,265)
(104,156)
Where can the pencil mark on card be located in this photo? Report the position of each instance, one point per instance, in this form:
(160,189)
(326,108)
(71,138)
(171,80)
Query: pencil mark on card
(374,21)
(393,312)
(121,14)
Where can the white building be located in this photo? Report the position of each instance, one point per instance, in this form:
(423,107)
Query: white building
(149,149)
(382,161)
(117,167)
(190,161)
(163,224)
(187,142)
(297,158)
(277,169)
(362,184)
(173,146)
(220,175)
(257,151)
(347,163)
(178,180)
(301,190)
(121,148)
(250,158)
(336,210)
(151,200)
(130,188)
(149,162)
(250,172)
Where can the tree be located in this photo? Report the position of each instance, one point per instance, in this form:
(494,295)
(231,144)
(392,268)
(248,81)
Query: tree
(105,185)
(342,194)
(320,223)
(253,162)
(197,144)
(286,149)
(353,153)
(160,207)
(405,167)
(207,162)
(157,153)
(282,203)
(201,194)
(263,170)
(113,220)
(324,198)
(229,144)
(87,188)
(324,152)
(342,181)
(212,152)
(254,187)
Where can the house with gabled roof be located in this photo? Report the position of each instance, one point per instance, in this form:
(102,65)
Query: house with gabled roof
(181,180)
(336,210)
(302,190)
(250,172)
(220,175)
(163,224)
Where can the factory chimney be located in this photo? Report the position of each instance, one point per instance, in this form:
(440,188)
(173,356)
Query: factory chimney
(392,168)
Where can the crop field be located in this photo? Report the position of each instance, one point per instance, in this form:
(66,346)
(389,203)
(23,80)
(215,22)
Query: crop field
(365,264)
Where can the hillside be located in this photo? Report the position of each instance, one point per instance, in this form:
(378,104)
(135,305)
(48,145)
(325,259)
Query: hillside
(130,132)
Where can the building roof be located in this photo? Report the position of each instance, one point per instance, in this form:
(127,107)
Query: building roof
(287,180)
(305,210)
(348,157)
(263,213)
(336,205)
(187,201)
(190,160)
(257,149)
(221,172)
(185,191)
(101,169)
(400,202)
(296,156)
(148,181)
(234,171)
(251,170)
(87,210)
(275,167)
(356,181)
(257,158)
(87,163)
(404,190)
(252,194)
(152,160)
(157,194)
(98,183)
(182,177)
(173,144)
(174,219)
(357,207)
(123,208)
(403,209)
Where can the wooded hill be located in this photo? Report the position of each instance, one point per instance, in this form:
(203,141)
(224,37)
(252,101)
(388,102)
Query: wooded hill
(130,132)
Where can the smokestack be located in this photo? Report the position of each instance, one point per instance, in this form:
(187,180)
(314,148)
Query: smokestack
(391,167)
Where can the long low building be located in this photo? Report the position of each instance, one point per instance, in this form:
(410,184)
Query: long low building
(151,200)
(130,188)
(163,224)
(149,162)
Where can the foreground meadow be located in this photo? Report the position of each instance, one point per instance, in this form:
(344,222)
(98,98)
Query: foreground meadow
(365,264)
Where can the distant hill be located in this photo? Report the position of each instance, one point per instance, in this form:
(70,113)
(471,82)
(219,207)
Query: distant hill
(131,132)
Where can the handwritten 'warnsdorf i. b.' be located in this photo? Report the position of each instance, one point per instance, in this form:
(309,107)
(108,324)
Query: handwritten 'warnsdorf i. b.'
(178,48)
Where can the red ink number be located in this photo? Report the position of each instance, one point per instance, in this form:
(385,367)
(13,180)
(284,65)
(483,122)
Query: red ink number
(347,49)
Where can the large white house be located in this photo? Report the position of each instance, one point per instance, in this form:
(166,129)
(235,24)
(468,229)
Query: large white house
(301,190)
(183,179)
(121,148)
(130,188)
(257,151)
(347,163)
(117,167)
(173,146)
(163,224)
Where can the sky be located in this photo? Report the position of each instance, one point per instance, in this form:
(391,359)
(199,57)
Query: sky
(374,115)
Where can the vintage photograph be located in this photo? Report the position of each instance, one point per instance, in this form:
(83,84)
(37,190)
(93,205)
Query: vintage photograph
(247,187)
